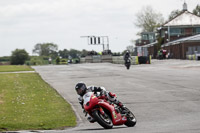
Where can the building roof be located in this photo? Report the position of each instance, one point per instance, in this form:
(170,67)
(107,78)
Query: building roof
(184,18)
(186,39)
(150,44)
(147,32)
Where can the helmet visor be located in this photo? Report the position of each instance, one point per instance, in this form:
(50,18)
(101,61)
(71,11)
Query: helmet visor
(80,91)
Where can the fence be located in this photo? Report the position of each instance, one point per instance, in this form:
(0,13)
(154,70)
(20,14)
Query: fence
(108,58)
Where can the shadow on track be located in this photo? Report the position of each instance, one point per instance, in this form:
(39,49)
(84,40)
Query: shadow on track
(98,129)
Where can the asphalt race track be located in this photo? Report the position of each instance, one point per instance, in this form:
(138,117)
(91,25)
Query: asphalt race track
(164,96)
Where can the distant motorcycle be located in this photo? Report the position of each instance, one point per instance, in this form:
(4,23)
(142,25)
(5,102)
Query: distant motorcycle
(106,113)
(128,63)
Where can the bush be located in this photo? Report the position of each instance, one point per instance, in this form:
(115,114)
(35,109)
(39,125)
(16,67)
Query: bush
(35,61)
(76,60)
(27,63)
(45,57)
(19,56)
(116,54)
(38,60)
(57,60)
(5,59)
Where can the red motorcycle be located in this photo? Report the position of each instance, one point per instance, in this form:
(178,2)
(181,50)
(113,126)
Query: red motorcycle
(106,113)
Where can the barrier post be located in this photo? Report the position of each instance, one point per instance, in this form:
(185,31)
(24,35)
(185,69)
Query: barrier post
(136,60)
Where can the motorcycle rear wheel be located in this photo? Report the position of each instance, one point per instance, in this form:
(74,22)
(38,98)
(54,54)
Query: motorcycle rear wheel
(105,121)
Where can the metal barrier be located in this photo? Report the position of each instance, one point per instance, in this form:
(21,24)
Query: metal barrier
(96,59)
(108,58)
(120,60)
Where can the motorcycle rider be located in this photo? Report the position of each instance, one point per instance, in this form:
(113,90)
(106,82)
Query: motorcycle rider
(82,89)
(126,56)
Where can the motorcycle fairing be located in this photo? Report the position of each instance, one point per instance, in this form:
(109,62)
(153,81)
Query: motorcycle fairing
(116,117)
(90,101)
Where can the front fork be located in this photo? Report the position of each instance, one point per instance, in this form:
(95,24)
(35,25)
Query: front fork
(101,111)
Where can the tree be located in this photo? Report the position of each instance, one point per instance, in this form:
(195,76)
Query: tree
(74,53)
(84,53)
(57,60)
(63,53)
(148,20)
(45,49)
(173,14)
(116,54)
(53,54)
(196,11)
(19,56)
(131,49)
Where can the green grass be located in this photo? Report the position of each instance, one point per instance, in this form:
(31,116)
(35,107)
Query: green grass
(14,68)
(28,103)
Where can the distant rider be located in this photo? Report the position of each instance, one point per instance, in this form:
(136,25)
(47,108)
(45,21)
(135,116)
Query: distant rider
(81,90)
(127,56)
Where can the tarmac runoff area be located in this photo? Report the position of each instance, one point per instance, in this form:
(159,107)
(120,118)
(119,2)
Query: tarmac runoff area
(164,96)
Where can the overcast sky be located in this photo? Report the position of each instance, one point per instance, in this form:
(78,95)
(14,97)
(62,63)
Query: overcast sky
(24,23)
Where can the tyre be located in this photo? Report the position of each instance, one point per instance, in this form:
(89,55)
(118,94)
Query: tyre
(131,120)
(105,121)
(128,66)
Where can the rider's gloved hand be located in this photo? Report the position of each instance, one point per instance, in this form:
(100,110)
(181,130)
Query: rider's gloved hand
(103,92)
(112,94)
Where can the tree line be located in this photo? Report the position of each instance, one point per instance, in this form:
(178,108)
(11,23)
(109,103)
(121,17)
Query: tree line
(45,51)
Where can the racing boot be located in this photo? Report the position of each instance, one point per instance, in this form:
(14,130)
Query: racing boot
(112,97)
(124,110)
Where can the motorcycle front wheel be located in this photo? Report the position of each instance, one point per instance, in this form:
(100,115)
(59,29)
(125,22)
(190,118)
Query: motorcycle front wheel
(131,120)
(104,120)
(127,66)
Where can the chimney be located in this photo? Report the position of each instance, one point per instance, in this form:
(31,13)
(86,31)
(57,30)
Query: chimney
(184,7)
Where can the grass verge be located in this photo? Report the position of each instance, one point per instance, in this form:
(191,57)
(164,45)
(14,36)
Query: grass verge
(28,103)
(14,68)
